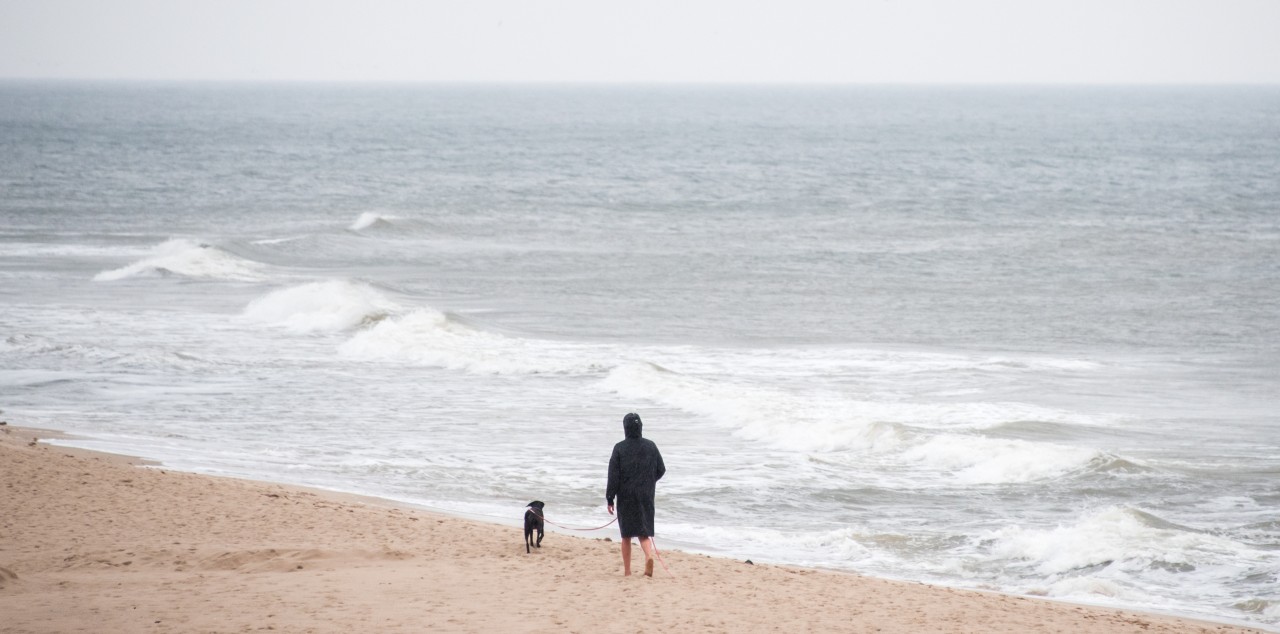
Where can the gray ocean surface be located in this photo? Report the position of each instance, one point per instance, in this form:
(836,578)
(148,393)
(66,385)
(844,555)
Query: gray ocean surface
(1014,338)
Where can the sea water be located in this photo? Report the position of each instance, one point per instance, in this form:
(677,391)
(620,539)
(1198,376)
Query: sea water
(1013,338)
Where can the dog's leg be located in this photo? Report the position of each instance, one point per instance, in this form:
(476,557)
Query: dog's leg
(539,537)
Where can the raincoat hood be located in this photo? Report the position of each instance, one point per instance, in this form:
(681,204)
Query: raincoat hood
(631,425)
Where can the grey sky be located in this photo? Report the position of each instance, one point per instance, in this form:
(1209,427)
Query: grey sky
(911,41)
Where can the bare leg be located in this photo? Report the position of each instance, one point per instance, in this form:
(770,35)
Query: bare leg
(646,544)
(626,555)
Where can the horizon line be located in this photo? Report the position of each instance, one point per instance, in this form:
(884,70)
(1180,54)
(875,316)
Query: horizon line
(624,83)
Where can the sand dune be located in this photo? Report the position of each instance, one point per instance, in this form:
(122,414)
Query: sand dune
(94,543)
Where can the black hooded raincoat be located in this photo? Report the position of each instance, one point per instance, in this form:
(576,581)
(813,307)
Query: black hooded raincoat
(634,470)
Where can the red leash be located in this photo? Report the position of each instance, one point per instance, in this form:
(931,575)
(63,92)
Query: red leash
(659,554)
(568,528)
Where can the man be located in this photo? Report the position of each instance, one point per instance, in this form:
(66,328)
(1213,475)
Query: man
(634,470)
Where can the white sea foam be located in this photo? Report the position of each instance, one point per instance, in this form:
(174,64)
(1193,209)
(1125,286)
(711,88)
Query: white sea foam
(823,421)
(26,347)
(189,259)
(1091,588)
(979,460)
(788,545)
(847,543)
(430,337)
(782,419)
(329,306)
(1117,536)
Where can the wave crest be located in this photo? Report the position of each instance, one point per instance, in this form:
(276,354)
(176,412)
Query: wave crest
(187,258)
(330,306)
(430,337)
(982,460)
(785,420)
(1120,537)
(822,421)
(370,220)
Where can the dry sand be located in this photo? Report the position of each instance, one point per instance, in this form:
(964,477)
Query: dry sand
(94,543)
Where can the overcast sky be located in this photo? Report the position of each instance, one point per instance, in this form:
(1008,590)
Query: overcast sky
(860,41)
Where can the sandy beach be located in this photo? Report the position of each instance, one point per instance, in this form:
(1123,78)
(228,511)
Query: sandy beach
(100,543)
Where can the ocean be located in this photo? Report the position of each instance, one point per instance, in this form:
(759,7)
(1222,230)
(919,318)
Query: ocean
(1023,339)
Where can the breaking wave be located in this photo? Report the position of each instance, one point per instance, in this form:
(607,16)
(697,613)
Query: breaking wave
(430,337)
(187,258)
(369,220)
(785,420)
(981,460)
(329,306)
(1120,544)
(905,433)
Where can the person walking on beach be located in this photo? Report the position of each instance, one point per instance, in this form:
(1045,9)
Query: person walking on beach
(634,470)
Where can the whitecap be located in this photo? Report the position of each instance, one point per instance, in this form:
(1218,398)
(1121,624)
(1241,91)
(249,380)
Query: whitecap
(1116,536)
(794,421)
(329,306)
(980,460)
(430,337)
(188,258)
(818,420)
(371,219)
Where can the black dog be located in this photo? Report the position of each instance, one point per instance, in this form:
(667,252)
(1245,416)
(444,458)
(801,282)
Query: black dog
(533,522)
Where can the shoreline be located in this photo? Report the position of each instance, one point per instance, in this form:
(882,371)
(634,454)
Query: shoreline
(93,543)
